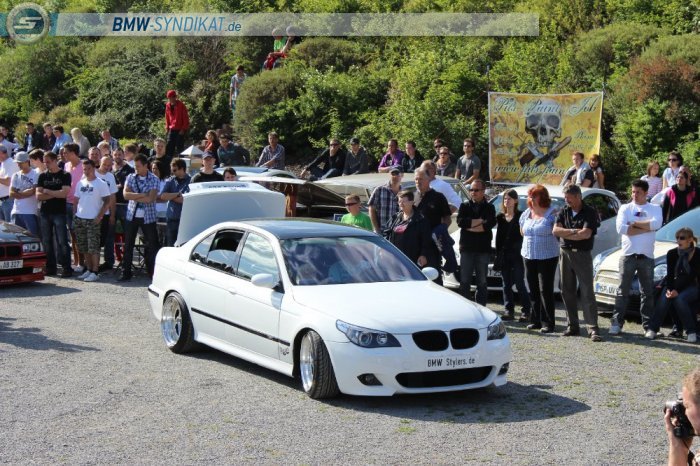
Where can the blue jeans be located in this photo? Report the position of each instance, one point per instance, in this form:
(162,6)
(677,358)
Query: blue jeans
(53,229)
(513,273)
(318,174)
(644,266)
(28,222)
(171,227)
(474,263)
(6,209)
(685,304)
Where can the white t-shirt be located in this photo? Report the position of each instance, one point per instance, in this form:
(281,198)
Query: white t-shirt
(670,175)
(21,181)
(89,195)
(644,243)
(7,168)
(111,183)
(446,190)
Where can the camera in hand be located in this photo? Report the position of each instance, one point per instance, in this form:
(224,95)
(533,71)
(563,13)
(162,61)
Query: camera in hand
(682,428)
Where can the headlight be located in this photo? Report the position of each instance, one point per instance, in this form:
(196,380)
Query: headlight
(496,330)
(365,337)
(32,247)
(597,260)
(660,272)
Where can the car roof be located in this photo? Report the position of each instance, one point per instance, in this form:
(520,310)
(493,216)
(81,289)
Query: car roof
(372,180)
(558,191)
(286,228)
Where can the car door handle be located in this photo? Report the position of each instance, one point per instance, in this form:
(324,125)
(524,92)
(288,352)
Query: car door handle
(232,291)
(190,276)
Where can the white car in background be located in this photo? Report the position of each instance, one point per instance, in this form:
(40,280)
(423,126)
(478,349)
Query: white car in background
(339,307)
(605,202)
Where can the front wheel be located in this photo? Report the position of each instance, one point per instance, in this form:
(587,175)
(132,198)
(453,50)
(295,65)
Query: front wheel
(317,375)
(176,325)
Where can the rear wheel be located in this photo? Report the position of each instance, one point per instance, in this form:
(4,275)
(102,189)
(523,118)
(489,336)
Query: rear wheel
(315,367)
(176,325)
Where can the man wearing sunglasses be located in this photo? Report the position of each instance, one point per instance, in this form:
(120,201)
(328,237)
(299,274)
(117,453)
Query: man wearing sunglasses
(476,219)
(354,216)
(332,159)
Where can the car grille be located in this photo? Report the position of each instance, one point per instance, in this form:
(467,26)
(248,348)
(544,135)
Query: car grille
(463,338)
(437,340)
(13,251)
(431,340)
(608,277)
(443,378)
(16,272)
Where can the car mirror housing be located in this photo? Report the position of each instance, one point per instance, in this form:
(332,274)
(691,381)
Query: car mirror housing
(264,280)
(430,273)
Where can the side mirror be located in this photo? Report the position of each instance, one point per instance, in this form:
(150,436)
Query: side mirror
(430,273)
(263,280)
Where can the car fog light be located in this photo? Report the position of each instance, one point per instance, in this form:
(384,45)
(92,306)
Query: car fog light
(504,368)
(369,379)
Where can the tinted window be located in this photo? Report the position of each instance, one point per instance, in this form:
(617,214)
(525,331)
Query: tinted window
(199,254)
(688,220)
(257,257)
(224,250)
(604,205)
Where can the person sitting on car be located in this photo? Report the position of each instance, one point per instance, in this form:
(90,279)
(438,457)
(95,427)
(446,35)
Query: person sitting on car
(679,198)
(207,173)
(332,159)
(681,286)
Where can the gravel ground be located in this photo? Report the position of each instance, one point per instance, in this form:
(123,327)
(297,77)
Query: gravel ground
(85,379)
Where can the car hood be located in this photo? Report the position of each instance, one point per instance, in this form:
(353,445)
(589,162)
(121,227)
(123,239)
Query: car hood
(612,260)
(11,233)
(396,307)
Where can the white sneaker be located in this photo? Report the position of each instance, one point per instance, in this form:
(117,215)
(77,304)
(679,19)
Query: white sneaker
(692,338)
(92,277)
(650,334)
(79,269)
(614,329)
(84,275)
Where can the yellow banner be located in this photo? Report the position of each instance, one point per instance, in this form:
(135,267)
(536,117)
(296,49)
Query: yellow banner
(532,136)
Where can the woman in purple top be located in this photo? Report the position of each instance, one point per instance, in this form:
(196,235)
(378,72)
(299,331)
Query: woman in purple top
(541,253)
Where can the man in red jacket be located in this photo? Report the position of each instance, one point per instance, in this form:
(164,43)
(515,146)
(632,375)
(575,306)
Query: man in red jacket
(177,122)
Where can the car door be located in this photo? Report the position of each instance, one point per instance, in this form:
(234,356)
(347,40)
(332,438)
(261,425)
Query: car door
(255,310)
(210,274)
(607,207)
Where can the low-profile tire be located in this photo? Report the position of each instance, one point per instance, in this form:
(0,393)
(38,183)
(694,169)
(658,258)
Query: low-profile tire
(176,325)
(315,368)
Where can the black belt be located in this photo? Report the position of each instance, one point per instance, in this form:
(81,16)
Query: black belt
(640,256)
(2,199)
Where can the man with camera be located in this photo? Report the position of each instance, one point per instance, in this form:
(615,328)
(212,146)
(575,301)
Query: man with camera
(682,419)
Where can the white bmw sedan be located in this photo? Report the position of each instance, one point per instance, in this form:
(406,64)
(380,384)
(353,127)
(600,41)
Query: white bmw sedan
(335,305)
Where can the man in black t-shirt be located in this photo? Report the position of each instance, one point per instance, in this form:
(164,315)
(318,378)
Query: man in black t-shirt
(207,173)
(52,188)
(576,225)
(434,207)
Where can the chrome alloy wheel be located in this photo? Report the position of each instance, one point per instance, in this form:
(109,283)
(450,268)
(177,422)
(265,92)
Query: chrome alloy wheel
(307,361)
(171,321)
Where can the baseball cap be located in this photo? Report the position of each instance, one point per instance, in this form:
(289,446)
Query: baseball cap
(171,93)
(21,157)
(207,154)
(395,170)
(354,140)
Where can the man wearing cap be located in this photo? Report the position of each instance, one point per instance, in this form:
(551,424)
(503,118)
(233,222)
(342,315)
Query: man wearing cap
(576,225)
(23,191)
(207,172)
(232,154)
(333,160)
(392,158)
(177,122)
(272,156)
(383,204)
(356,160)
(8,167)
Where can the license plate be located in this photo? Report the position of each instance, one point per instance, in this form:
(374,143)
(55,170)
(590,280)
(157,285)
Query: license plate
(603,288)
(451,362)
(4,265)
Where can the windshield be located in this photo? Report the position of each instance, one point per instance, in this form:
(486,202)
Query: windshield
(688,220)
(347,259)
(497,202)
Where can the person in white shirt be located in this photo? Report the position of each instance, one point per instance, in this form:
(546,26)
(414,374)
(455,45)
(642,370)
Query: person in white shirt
(8,167)
(636,222)
(108,226)
(23,191)
(443,187)
(92,201)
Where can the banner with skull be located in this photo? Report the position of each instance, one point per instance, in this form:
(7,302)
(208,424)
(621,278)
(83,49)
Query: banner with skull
(532,136)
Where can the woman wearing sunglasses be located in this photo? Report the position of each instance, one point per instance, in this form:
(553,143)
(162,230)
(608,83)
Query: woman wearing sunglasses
(681,288)
(675,160)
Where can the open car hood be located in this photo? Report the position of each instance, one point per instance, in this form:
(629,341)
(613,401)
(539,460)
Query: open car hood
(309,193)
